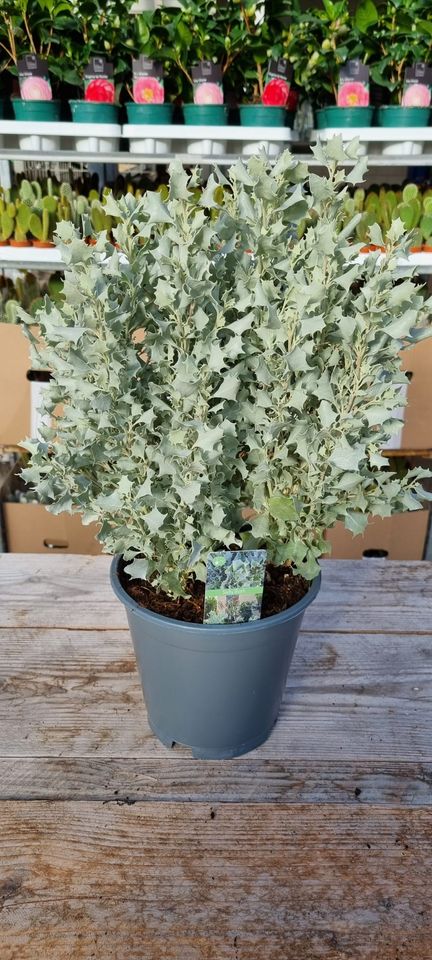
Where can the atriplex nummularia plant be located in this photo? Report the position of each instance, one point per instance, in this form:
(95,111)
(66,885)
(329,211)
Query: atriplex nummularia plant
(264,388)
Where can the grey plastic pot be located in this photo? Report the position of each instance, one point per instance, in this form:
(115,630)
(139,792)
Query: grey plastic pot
(216,689)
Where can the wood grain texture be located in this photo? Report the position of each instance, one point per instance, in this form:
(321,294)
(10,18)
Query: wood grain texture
(357,596)
(196,882)
(76,693)
(246,780)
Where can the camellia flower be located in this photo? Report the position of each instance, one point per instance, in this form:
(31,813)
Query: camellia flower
(148,90)
(208,93)
(353,94)
(416,95)
(276,93)
(35,88)
(100,90)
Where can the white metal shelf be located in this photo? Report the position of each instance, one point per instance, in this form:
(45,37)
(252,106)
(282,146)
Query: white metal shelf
(31,258)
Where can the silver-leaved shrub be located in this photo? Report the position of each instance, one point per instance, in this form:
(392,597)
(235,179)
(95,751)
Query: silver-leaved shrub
(221,381)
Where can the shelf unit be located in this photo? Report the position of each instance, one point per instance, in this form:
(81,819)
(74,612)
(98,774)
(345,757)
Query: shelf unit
(31,258)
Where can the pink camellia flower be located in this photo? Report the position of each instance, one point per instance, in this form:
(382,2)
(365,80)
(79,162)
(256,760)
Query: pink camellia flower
(208,93)
(148,90)
(353,94)
(416,95)
(276,93)
(35,88)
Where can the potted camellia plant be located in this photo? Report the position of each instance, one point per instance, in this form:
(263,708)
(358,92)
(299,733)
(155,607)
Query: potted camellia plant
(219,411)
(321,42)
(397,38)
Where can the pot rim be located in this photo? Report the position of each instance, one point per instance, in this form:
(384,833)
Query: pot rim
(250,626)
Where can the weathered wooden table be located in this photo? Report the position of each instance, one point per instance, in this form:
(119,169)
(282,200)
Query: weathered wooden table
(317,845)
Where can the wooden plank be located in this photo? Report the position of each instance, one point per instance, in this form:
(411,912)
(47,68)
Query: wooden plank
(76,694)
(246,780)
(357,596)
(195,881)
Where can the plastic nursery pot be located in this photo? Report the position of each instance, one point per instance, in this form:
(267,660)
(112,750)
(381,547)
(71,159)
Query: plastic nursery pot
(371,248)
(426,248)
(214,688)
(393,116)
(36,110)
(84,111)
(20,243)
(43,244)
(258,115)
(149,112)
(206,114)
(343,117)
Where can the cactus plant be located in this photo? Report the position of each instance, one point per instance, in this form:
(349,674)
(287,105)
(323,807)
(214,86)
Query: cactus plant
(41,227)
(100,220)
(22,223)
(6,226)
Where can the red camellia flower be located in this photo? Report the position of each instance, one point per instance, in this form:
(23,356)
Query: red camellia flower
(276,93)
(100,90)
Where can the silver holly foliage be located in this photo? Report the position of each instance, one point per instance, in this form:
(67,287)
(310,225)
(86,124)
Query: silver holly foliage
(222,381)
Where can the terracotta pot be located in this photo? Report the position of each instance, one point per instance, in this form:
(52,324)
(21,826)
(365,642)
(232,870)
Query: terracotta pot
(416,249)
(43,244)
(426,248)
(90,241)
(371,248)
(20,243)
(4,243)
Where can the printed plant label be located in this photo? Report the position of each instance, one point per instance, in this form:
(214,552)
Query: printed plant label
(417,86)
(353,89)
(148,82)
(234,587)
(277,88)
(207,83)
(99,82)
(33,77)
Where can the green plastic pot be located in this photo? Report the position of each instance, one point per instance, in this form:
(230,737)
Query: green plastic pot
(214,688)
(344,117)
(37,110)
(84,111)
(206,114)
(258,115)
(149,112)
(393,116)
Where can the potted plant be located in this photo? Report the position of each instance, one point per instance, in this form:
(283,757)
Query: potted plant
(319,42)
(214,401)
(28,36)
(397,35)
(204,49)
(150,45)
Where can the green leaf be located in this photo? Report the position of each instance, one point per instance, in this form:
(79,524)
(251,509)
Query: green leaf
(282,508)
(365,16)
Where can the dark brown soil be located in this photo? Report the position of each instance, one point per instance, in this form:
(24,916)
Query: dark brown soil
(281,590)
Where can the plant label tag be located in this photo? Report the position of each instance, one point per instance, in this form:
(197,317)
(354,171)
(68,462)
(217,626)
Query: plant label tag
(353,88)
(207,83)
(234,586)
(417,86)
(34,82)
(98,81)
(277,87)
(148,83)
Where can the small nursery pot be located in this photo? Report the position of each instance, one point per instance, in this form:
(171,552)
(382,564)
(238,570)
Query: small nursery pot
(206,114)
(84,111)
(214,688)
(343,117)
(20,243)
(149,112)
(394,116)
(258,115)
(36,110)
(43,244)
